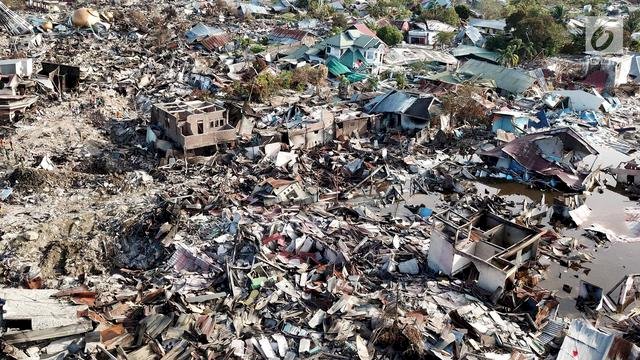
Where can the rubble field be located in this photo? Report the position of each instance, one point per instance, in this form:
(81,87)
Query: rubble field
(276,180)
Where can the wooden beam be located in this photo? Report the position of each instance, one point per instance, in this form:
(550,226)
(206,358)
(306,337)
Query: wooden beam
(25,336)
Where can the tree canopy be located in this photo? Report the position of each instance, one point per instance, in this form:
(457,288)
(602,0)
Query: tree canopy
(390,35)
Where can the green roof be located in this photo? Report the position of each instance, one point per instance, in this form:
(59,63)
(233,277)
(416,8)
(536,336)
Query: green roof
(352,38)
(336,68)
(298,53)
(350,57)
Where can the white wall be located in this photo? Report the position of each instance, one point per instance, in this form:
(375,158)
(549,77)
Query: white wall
(440,256)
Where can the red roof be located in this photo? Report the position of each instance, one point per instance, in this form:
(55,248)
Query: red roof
(288,33)
(216,41)
(364,29)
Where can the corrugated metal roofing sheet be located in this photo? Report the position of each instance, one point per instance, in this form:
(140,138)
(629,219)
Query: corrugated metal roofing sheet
(584,342)
(396,102)
(498,24)
(581,100)
(214,42)
(512,80)
(295,34)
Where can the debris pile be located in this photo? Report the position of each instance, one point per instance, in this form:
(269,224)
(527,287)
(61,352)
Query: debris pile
(204,180)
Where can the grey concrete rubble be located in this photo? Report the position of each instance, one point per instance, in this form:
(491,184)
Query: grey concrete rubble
(318,180)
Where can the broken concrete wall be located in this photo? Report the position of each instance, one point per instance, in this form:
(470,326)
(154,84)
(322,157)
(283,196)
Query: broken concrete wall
(490,278)
(315,134)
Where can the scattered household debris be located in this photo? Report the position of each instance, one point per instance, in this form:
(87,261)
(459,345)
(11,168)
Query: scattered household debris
(278,180)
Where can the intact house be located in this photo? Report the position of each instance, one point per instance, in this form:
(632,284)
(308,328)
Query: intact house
(194,125)
(482,246)
(403,110)
(355,49)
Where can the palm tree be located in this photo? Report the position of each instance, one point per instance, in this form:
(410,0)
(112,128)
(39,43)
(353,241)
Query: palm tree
(509,56)
(524,50)
(528,50)
(560,13)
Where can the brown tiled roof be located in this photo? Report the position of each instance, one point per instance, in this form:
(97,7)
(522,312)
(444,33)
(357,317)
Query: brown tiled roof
(288,33)
(216,41)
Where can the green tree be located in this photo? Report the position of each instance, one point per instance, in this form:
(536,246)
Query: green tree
(463,11)
(396,9)
(631,25)
(535,25)
(390,35)
(525,50)
(446,15)
(495,42)
(340,20)
(491,9)
(401,81)
(509,56)
(445,38)
(372,83)
(546,35)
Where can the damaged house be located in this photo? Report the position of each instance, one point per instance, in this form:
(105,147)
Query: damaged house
(349,123)
(194,124)
(512,81)
(553,157)
(274,191)
(426,33)
(285,36)
(488,26)
(627,173)
(403,110)
(486,247)
(309,131)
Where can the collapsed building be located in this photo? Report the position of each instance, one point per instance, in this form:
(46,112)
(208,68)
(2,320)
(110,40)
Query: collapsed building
(486,247)
(551,158)
(404,110)
(194,125)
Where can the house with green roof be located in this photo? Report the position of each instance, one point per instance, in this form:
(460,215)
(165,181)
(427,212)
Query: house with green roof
(355,49)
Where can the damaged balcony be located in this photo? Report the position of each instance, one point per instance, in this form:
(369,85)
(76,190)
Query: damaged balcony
(485,244)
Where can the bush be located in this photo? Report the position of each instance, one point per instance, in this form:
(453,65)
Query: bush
(496,42)
(340,20)
(390,35)
(463,11)
(401,81)
(257,48)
